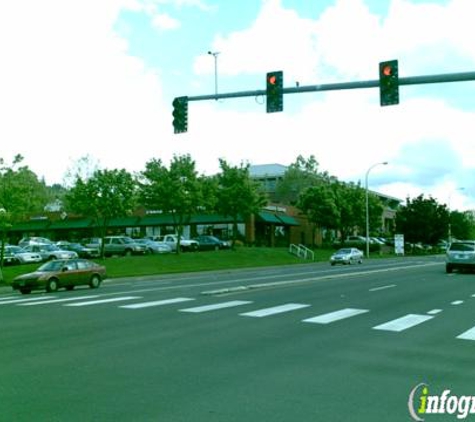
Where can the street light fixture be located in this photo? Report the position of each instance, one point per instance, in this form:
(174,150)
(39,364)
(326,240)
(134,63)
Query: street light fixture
(367,204)
(215,55)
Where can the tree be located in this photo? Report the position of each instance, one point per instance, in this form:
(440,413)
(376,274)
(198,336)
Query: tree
(107,194)
(237,195)
(422,220)
(176,190)
(300,175)
(462,225)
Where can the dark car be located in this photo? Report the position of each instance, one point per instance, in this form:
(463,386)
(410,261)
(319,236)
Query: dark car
(59,273)
(81,250)
(208,243)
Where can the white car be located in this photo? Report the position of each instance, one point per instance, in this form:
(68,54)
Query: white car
(15,253)
(49,251)
(347,256)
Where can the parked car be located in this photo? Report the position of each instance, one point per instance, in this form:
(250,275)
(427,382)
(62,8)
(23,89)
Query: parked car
(154,246)
(185,244)
(56,274)
(460,255)
(50,251)
(82,251)
(347,256)
(211,243)
(16,255)
(34,241)
(123,245)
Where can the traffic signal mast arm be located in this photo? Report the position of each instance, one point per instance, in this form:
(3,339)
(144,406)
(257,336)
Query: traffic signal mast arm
(411,80)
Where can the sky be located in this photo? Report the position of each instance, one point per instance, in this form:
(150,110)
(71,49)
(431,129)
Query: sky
(97,78)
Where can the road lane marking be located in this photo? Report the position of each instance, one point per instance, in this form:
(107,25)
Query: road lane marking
(376,289)
(403,323)
(456,302)
(216,306)
(157,303)
(31,299)
(336,316)
(434,311)
(69,299)
(275,310)
(98,302)
(467,335)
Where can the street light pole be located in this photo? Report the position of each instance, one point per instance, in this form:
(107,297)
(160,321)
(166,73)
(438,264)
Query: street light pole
(215,55)
(367,204)
(449,231)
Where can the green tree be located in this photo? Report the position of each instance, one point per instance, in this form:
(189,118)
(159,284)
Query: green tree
(422,220)
(462,225)
(107,194)
(176,190)
(300,175)
(237,195)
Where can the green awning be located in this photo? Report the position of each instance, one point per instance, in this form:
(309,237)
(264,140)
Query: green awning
(156,220)
(212,219)
(71,224)
(32,225)
(288,220)
(269,217)
(124,222)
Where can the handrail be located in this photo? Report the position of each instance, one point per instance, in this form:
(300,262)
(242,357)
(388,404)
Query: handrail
(301,251)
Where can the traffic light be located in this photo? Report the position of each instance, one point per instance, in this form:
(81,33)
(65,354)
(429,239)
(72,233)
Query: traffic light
(180,114)
(388,83)
(274,91)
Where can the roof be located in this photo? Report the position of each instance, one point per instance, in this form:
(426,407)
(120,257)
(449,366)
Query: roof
(267,170)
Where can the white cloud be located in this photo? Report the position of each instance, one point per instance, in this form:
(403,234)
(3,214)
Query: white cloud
(165,22)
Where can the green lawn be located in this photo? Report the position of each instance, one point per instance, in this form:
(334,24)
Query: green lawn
(242,257)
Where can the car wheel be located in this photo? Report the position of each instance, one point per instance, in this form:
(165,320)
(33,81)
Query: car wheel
(95,282)
(360,261)
(128,252)
(70,287)
(25,291)
(448,269)
(52,285)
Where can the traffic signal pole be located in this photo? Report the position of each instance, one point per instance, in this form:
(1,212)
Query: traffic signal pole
(411,80)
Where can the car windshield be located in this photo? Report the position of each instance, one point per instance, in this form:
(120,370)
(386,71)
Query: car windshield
(51,266)
(462,247)
(342,251)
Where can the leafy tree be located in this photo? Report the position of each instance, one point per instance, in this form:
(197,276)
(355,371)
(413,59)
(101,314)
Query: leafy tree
(176,190)
(237,195)
(300,175)
(107,194)
(422,220)
(462,225)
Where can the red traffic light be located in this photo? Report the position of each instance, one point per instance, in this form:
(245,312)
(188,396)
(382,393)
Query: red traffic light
(272,79)
(387,70)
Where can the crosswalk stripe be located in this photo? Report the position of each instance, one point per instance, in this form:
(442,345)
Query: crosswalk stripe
(156,303)
(216,306)
(69,299)
(467,335)
(403,323)
(336,316)
(275,310)
(97,302)
(31,299)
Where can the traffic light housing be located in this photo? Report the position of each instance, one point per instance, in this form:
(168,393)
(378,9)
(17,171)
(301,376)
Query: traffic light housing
(274,91)
(389,83)
(180,114)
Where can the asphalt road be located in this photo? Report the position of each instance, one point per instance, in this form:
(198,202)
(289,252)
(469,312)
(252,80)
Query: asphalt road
(299,343)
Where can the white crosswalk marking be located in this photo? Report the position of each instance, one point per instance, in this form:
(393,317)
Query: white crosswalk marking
(97,302)
(216,306)
(403,323)
(156,303)
(31,299)
(467,335)
(275,310)
(69,299)
(336,316)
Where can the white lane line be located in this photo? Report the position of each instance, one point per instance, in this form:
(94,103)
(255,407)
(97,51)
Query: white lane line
(98,302)
(376,289)
(336,316)
(69,299)
(467,335)
(456,302)
(275,310)
(434,311)
(216,306)
(157,303)
(31,299)
(403,323)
